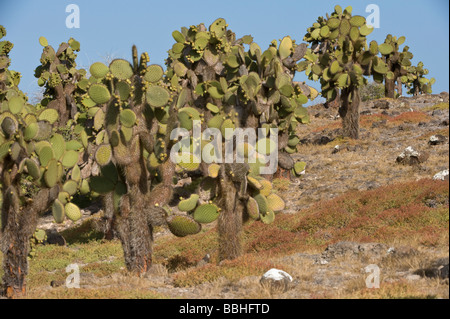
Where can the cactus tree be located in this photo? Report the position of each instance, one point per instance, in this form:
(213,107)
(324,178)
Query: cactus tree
(416,82)
(132,111)
(397,63)
(31,152)
(340,58)
(222,85)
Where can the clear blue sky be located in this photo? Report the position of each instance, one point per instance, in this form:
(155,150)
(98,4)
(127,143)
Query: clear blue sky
(112,27)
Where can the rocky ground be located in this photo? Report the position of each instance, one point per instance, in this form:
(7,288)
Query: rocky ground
(334,166)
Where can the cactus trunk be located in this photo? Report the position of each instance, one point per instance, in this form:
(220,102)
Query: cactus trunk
(230,221)
(390,88)
(18,225)
(137,241)
(349,112)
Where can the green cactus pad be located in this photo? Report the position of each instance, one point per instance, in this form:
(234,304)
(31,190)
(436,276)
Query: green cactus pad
(99,93)
(344,28)
(182,226)
(216,121)
(99,70)
(43,41)
(263,205)
(33,169)
(188,162)
(357,21)
(44,131)
(40,235)
(333,23)
(127,118)
(70,187)
(121,69)
(218,28)
(266,146)
(4,149)
(154,73)
(252,208)
(73,145)
(213,108)
(51,173)
(72,212)
(157,96)
(70,159)
(16,104)
(76,173)
(385,49)
(64,197)
(58,211)
(84,187)
(186,116)
(45,155)
(103,154)
(365,30)
(58,145)
(285,48)
(189,204)
(354,34)
(101,185)
(266,187)
(268,217)
(178,36)
(206,213)
(213,170)
(299,167)
(276,203)
(227,124)
(124,90)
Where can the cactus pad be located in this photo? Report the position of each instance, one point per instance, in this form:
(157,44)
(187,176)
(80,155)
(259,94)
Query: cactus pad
(72,212)
(182,226)
(58,211)
(189,204)
(99,70)
(157,96)
(103,154)
(154,73)
(121,69)
(206,213)
(99,93)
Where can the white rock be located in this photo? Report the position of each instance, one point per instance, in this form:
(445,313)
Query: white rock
(277,275)
(441,176)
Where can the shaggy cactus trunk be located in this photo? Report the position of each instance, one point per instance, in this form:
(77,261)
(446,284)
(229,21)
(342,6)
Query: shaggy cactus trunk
(18,225)
(230,220)
(349,112)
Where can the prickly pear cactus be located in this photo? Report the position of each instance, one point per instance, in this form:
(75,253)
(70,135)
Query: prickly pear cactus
(222,85)
(31,150)
(132,111)
(63,82)
(416,82)
(397,62)
(340,58)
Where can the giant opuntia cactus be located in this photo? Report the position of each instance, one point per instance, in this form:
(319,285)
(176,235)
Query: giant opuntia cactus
(133,110)
(416,82)
(31,150)
(397,63)
(61,79)
(221,85)
(340,58)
